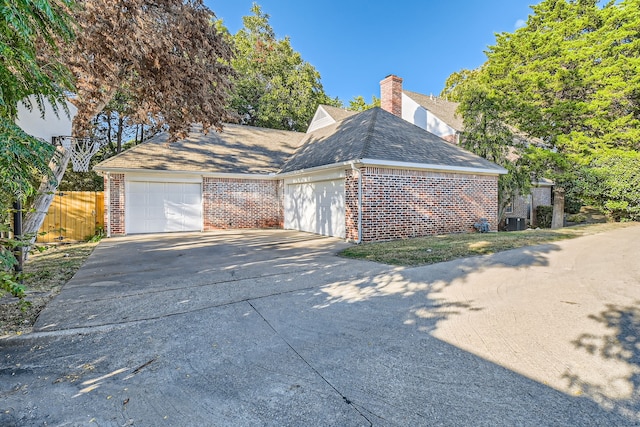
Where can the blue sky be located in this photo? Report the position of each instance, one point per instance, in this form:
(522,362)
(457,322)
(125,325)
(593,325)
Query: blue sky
(355,43)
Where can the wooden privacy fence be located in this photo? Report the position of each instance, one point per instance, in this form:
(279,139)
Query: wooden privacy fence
(73,216)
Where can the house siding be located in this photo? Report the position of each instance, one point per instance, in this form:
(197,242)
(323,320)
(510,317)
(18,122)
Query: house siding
(242,203)
(399,203)
(421,117)
(114,214)
(541,196)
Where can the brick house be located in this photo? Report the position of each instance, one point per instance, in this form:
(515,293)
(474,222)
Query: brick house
(438,116)
(365,177)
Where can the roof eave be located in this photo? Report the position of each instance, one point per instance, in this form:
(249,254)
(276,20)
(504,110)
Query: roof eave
(398,165)
(434,167)
(247,175)
(315,169)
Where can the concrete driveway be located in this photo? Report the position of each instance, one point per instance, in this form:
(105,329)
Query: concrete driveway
(271,328)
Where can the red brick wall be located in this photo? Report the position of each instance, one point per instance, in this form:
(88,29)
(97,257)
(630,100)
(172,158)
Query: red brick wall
(391,95)
(399,204)
(351,205)
(242,203)
(114,214)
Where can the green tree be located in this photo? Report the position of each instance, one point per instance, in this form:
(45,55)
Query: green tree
(612,182)
(487,135)
(30,34)
(359,104)
(569,77)
(274,87)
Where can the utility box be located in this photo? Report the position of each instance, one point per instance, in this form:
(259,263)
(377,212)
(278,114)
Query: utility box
(515,224)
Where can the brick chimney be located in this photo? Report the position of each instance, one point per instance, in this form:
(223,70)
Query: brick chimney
(391,94)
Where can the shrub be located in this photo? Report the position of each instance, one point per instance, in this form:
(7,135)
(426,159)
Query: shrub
(572,205)
(612,183)
(578,218)
(544,215)
(9,278)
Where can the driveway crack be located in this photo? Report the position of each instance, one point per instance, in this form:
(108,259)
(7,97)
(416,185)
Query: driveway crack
(344,398)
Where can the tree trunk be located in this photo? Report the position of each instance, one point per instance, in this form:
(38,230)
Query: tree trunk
(109,141)
(119,133)
(557,221)
(34,219)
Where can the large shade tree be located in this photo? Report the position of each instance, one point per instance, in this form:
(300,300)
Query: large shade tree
(168,54)
(275,87)
(569,77)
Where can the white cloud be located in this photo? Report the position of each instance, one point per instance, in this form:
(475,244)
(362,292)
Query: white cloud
(520,23)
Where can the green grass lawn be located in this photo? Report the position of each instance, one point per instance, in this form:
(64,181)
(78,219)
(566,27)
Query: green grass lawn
(431,250)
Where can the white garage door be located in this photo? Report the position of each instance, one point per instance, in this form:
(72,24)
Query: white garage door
(158,207)
(316,207)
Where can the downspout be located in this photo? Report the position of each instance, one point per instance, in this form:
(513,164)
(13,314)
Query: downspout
(107,203)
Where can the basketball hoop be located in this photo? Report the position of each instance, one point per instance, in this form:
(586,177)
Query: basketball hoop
(82,149)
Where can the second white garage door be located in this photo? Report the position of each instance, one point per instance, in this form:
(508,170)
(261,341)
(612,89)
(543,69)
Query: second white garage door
(159,207)
(316,207)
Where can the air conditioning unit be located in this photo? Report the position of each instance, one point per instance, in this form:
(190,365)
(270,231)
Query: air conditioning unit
(515,224)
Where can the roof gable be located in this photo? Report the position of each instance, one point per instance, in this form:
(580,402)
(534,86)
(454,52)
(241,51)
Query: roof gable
(327,115)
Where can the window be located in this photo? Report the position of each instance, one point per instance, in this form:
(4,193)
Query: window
(509,208)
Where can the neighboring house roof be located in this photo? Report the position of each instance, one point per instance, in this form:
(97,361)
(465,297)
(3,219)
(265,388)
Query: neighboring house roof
(338,113)
(237,149)
(376,134)
(446,111)
(326,115)
(441,108)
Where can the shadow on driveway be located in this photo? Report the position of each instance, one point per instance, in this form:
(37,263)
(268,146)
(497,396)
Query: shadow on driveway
(272,328)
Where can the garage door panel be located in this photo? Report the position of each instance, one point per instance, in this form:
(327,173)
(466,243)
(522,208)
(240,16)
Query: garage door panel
(301,202)
(316,207)
(156,207)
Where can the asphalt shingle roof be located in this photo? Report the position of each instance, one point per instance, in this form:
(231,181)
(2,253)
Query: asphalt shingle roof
(378,135)
(373,134)
(237,149)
